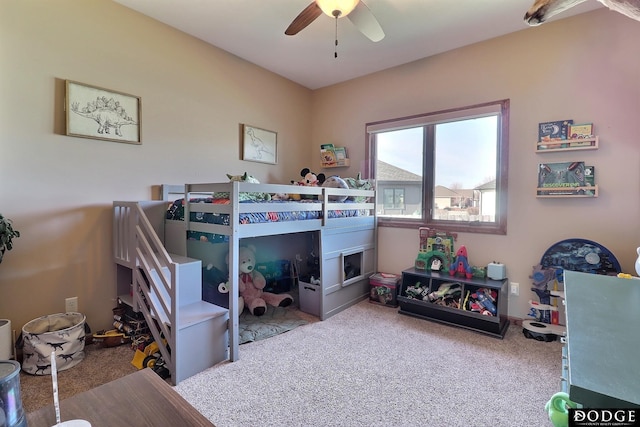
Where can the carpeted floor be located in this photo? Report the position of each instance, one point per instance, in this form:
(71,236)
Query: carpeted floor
(102,365)
(367,366)
(370,366)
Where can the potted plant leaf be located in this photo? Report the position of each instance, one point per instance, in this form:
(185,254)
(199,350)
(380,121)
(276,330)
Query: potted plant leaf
(7,234)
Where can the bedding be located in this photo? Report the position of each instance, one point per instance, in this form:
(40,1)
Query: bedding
(176,212)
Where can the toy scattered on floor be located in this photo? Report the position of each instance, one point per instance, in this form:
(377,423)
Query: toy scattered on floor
(252,283)
(460,265)
(558,409)
(111,338)
(148,355)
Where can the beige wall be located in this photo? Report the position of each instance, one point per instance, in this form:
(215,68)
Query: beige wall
(58,189)
(586,68)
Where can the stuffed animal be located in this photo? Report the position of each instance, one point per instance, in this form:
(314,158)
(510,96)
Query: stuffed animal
(358,183)
(243,197)
(243,178)
(252,283)
(335,182)
(309,178)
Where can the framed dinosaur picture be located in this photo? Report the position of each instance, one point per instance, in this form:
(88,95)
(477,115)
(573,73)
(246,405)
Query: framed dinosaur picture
(259,145)
(94,112)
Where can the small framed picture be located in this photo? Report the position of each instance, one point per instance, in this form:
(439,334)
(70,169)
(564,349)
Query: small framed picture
(259,145)
(94,112)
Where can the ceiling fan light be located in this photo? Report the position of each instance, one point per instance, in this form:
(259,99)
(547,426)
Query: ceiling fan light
(337,8)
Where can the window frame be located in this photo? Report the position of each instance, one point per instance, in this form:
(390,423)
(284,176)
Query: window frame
(500,107)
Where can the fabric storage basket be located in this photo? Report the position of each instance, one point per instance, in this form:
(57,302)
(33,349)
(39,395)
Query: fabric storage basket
(62,333)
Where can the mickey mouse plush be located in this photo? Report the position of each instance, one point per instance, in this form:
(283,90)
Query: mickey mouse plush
(310,179)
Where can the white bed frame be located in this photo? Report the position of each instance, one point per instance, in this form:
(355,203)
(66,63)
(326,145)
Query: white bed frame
(151,255)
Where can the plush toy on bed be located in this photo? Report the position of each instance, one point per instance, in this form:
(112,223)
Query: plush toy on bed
(243,197)
(358,183)
(310,179)
(252,283)
(336,182)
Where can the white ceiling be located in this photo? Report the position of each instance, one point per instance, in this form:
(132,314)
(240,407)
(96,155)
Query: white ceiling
(254,31)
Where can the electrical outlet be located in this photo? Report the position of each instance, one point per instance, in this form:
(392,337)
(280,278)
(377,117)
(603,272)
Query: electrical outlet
(71,305)
(515,288)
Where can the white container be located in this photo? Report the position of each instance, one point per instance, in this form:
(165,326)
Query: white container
(6,343)
(309,296)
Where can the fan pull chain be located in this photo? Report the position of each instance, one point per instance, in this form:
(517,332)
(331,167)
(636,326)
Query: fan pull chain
(335,48)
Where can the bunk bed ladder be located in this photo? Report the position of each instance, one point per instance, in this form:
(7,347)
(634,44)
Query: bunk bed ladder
(167,289)
(154,286)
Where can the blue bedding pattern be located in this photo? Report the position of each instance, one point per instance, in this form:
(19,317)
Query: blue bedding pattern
(176,212)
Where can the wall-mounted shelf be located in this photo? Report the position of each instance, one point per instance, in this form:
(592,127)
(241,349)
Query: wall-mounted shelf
(333,157)
(344,163)
(546,192)
(567,145)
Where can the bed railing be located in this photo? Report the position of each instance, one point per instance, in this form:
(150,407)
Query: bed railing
(324,203)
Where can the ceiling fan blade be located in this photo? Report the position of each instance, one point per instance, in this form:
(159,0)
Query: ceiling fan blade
(306,17)
(364,21)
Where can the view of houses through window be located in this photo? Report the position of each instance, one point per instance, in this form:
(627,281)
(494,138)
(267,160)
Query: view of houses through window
(442,170)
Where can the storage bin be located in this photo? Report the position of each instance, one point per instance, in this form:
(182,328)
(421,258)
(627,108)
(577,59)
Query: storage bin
(6,342)
(63,333)
(309,296)
(11,412)
(384,289)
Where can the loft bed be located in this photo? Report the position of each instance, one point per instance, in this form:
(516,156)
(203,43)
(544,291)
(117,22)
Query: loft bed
(250,210)
(343,219)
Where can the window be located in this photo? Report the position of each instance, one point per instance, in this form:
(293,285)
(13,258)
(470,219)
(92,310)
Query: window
(446,170)
(393,198)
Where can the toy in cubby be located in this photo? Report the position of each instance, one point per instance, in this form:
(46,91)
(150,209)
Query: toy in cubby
(482,301)
(416,291)
(448,294)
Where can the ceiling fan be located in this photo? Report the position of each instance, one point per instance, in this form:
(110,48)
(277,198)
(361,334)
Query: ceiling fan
(357,12)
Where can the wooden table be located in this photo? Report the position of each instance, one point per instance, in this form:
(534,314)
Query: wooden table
(137,400)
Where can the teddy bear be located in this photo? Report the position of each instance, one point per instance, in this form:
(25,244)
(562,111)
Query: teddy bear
(252,283)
